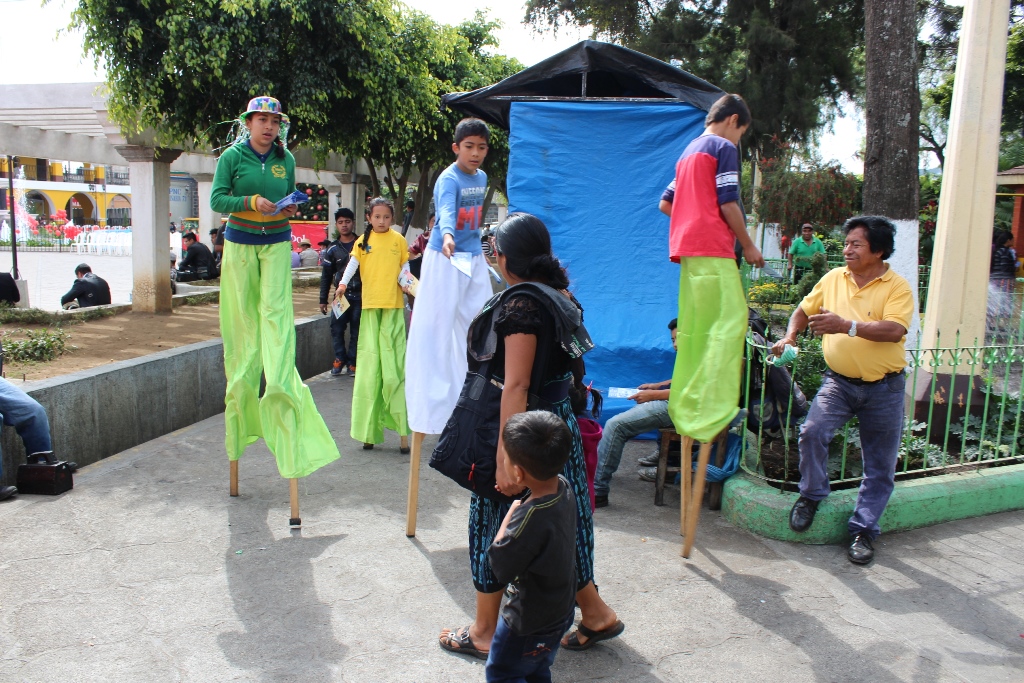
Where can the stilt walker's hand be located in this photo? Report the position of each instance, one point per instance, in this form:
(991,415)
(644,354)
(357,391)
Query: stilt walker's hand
(448,248)
(341,291)
(752,255)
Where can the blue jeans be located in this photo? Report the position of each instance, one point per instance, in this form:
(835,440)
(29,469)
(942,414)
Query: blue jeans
(21,411)
(350,319)
(618,430)
(880,408)
(523,659)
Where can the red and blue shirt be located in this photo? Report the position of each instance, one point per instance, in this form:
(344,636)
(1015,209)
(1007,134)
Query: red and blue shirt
(707,176)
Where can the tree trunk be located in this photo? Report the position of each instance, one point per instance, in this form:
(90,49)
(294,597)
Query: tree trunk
(487,203)
(891,175)
(374,180)
(424,193)
(891,181)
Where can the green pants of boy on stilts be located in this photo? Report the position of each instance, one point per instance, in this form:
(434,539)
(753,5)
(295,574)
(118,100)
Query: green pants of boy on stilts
(705,393)
(257,324)
(378,397)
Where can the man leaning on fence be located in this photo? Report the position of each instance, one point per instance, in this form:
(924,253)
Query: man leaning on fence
(862,312)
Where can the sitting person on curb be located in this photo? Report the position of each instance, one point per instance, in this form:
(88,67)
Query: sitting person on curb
(198,262)
(862,312)
(21,411)
(308,256)
(651,412)
(88,289)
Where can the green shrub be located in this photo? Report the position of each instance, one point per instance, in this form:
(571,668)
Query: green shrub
(37,346)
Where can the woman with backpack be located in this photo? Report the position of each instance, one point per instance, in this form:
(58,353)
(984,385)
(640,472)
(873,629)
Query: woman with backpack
(540,339)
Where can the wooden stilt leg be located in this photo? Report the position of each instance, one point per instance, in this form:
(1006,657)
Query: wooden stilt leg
(414,485)
(697,497)
(293,491)
(233,485)
(685,490)
(403,447)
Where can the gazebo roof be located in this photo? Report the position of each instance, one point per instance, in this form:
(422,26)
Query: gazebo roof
(1011,176)
(588,71)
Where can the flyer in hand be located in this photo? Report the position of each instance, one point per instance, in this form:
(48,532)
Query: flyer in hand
(292,199)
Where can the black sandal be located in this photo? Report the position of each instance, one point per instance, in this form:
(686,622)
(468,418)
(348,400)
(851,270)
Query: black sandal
(592,636)
(459,642)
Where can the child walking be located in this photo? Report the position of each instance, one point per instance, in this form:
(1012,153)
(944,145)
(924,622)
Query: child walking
(378,397)
(534,551)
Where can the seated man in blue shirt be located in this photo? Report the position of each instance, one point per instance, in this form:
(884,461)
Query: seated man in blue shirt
(651,412)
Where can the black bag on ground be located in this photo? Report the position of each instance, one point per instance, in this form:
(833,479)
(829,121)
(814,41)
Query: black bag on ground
(48,478)
(467,450)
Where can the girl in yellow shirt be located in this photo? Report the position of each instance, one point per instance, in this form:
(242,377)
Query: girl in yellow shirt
(378,398)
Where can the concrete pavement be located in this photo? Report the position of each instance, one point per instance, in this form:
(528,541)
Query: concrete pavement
(149,571)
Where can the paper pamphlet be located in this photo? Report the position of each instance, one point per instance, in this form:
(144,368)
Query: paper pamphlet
(294,198)
(340,306)
(463,260)
(620,392)
(407,279)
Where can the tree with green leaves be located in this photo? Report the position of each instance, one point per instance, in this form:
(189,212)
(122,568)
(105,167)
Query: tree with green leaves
(790,59)
(181,67)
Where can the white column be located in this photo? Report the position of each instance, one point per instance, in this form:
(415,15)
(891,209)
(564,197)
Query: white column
(151,187)
(960,263)
(208,218)
(333,195)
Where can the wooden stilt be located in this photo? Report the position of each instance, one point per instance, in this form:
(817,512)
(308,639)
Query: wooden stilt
(685,490)
(233,484)
(696,497)
(414,485)
(403,446)
(293,491)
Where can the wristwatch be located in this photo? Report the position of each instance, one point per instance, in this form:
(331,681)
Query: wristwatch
(853,328)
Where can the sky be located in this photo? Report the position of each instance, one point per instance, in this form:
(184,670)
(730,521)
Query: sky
(37,35)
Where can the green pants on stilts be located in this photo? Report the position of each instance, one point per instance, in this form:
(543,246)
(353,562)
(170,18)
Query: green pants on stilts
(378,397)
(257,323)
(712,325)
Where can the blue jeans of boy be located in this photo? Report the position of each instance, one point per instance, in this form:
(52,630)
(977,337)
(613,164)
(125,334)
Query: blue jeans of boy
(880,409)
(21,411)
(350,319)
(523,659)
(618,430)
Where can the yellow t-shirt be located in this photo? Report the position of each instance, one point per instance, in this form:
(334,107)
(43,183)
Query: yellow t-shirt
(379,267)
(885,298)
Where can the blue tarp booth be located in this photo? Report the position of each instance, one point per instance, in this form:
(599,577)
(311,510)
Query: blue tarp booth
(595,133)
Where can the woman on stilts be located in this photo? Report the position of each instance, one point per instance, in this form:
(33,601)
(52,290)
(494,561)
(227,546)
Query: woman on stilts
(257,319)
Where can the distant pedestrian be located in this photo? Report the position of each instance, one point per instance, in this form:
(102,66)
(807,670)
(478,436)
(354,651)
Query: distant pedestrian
(862,312)
(308,258)
(335,260)
(803,250)
(88,289)
(198,262)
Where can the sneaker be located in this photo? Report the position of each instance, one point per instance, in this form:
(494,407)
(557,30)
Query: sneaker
(648,473)
(352,370)
(339,369)
(674,460)
(7,491)
(648,460)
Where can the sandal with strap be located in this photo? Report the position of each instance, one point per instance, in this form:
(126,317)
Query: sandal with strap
(459,642)
(592,636)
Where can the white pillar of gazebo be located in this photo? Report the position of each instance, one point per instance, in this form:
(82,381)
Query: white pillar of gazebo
(958,288)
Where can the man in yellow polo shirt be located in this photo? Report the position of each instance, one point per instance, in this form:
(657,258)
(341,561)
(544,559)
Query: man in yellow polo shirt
(862,312)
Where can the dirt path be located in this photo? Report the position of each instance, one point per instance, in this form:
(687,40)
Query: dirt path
(131,335)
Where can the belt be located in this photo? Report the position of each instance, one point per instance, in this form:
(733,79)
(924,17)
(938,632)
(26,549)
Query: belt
(858,382)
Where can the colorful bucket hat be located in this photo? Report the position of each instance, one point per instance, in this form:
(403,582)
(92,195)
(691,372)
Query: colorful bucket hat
(264,105)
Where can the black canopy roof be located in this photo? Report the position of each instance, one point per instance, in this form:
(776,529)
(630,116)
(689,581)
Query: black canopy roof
(589,70)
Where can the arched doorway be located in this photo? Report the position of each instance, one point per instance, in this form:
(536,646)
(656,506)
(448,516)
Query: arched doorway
(119,212)
(81,209)
(38,204)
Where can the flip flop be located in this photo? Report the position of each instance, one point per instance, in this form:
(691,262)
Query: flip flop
(592,636)
(459,642)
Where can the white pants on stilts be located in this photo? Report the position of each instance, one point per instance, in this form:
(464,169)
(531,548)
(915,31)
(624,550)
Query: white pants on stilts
(435,357)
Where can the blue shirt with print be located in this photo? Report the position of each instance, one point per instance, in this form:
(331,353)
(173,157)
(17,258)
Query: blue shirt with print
(458,203)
